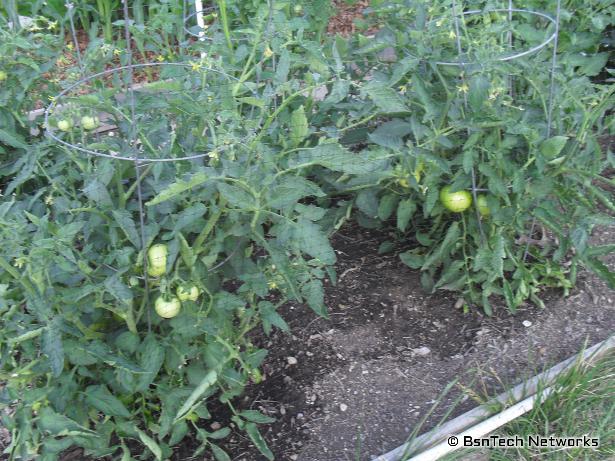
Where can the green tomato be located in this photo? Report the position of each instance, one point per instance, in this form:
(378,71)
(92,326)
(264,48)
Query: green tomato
(455,201)
(483,208)
(89,123)
(298,10)
(65,125)
(157,258)
(3,76)
(156,271)
(167,309)
(188,293)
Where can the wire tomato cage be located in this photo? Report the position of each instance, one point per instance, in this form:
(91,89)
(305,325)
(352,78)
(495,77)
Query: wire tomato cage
(149,114)
(465,59)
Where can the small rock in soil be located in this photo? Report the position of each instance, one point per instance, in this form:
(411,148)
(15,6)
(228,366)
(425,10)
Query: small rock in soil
(527,323)
(343,407)
(215,426)
(421,351)
(291,361)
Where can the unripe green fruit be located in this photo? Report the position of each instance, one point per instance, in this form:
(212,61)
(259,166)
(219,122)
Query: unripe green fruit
(89,123)
(65,125)
(3,76)
(156,271)
(455,201)
(157,259)
(188,293)
(483,208)
(167,309)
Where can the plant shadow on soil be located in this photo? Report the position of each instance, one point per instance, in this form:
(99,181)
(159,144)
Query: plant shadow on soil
(355,385)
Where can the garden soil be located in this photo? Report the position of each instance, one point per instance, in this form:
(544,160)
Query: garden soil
(354,386)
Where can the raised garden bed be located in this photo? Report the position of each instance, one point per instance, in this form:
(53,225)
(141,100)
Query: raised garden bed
(134,300)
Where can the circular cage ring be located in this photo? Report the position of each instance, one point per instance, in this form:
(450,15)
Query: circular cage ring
(202,31)
(513,56)
(57,100)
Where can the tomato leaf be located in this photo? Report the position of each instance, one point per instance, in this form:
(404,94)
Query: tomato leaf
(271,318)
(299,127)
(179,187)
(99,397)
(127,224)
(56,423)
(237,196)
(452,234)
(13,139)
(551,147)
(256,417)
(386,99)
(219,453)
(152,357)
(498,254)
(405,210)
(413,260)
(151,444)
(367,202)
(478,92)
(601,270)
(310,239)
(208,381)
(258,441)
(180,430)
(508,296)
(52,346)
(386,206)
(188,257)
(315,296)
(337,158)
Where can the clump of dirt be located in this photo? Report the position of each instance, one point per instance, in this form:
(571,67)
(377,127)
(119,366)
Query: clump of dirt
(343,22)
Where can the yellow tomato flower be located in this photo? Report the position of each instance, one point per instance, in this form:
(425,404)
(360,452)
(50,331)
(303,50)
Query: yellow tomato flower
(463,88)
(195,66)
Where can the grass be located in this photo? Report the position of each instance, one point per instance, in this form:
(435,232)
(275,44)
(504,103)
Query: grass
(582,404)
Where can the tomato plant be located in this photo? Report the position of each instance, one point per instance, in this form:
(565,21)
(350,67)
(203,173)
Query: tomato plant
(485,127)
